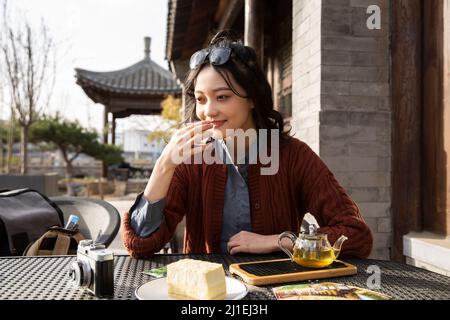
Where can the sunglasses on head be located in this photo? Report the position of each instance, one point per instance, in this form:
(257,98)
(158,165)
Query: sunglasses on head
(218,56)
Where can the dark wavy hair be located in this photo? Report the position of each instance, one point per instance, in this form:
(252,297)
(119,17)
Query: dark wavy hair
(248,74)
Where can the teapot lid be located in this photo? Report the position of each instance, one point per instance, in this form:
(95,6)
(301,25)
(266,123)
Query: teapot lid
(313,235)
(312,229)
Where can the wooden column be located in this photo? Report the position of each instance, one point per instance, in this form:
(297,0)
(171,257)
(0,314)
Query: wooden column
(105,125)
(446,118)
(105,141)
(113,130)
(436,121)
(227,13)
(406,116)
(254,27)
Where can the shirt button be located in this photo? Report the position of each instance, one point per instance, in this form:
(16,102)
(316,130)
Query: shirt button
(257,205)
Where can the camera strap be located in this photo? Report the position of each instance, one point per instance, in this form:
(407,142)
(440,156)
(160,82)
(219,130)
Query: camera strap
(56,241)
(62,245)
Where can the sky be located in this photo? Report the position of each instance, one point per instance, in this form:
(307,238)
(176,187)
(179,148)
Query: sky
(98,35)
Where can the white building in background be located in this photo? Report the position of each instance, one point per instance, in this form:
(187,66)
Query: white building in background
(137,146)
(132,135)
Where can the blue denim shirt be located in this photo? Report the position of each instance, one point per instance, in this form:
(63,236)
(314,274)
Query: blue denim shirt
(147,217)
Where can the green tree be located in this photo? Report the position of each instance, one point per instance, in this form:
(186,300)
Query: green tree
(4,128)
(71,139)
(109,153)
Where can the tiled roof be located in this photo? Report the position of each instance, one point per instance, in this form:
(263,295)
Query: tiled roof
(143,78)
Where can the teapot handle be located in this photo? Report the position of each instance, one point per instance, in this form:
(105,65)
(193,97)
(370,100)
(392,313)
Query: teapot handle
(292,237)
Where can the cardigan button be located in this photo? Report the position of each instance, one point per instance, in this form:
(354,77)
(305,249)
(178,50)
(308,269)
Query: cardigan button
(257,205)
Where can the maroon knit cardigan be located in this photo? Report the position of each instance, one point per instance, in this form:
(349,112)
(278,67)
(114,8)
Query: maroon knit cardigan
(278,203)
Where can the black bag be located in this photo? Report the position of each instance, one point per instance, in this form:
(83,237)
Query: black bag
(25,215)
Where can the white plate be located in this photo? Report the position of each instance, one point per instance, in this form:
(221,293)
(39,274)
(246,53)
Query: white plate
(157,290)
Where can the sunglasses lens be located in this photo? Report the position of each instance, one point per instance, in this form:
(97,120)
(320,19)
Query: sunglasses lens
(219,56)
(197,59)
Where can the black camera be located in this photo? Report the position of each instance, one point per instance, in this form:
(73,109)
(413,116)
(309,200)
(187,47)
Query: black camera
(94,269)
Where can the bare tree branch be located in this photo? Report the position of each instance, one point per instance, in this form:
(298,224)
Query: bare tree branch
(30,69)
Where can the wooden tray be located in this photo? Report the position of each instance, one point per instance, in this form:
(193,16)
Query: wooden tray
(284,270)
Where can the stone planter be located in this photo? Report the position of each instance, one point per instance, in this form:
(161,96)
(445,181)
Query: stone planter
(92,188)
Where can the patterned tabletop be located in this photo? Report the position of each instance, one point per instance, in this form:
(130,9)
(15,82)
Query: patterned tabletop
(46,278)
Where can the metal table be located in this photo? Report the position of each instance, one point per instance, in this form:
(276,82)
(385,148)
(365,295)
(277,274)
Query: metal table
(46,278)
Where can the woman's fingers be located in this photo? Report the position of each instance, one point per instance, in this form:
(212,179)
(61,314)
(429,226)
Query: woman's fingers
(192,133)
(238,235)
(250,242)
(193,128)
(193,145)
(188,127)
(199,139)
(235,241)
(239,248)
(203,147)
(231,246)
(191,140)
(235,250)
(174,152)
(186,132)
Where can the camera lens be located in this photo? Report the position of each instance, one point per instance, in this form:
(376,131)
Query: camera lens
(80,273)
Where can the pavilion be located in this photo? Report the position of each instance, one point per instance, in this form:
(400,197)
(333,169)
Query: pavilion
(137,89)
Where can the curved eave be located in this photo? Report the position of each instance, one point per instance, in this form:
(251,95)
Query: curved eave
(115,90)
(145,78)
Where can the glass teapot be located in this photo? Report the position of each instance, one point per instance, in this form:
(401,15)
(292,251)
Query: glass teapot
(312,250)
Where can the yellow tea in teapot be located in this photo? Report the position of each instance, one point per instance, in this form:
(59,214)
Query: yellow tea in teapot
(314,259)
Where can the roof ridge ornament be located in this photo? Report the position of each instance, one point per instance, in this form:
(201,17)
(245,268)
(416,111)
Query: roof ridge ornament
(147,43)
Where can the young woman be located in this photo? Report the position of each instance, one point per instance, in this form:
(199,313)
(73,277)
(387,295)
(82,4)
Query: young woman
(232,207)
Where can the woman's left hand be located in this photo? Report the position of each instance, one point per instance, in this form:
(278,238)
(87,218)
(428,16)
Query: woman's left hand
(250,242)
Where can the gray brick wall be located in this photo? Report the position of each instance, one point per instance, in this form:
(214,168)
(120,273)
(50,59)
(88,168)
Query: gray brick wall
(341,101)
(306,70)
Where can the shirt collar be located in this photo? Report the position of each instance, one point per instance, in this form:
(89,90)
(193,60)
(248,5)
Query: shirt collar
(225,155)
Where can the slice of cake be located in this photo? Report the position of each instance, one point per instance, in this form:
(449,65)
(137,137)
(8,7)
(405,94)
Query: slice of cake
(196,279)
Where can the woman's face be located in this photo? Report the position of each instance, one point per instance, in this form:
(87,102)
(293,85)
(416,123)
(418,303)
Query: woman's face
(217,102)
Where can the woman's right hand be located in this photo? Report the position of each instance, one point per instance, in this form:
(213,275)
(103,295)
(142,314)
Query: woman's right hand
(186,142)
(180,147)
